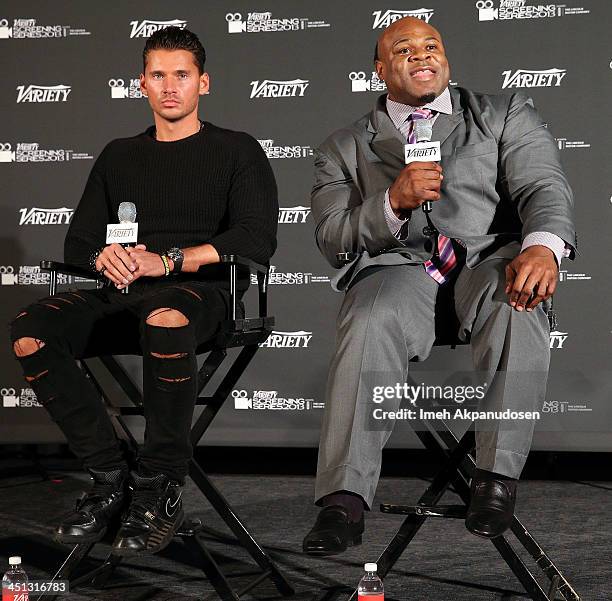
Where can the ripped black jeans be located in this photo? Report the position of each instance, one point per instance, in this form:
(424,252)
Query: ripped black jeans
(87,323)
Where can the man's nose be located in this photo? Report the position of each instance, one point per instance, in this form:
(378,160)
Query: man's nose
(420,54)
(169,85)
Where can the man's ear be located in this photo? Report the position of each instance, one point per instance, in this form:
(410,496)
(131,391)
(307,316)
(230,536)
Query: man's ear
(380,70)
(143,85)
(204,84)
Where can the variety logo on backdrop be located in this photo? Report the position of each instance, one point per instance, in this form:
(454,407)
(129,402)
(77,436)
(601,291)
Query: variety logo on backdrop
(557,339)
(26,398)
(526,78)
(36,216)
(27,28)
(270,88)
(146,28)
(119,89)
(31,275)
(269,399)
(359,83)
(30,152)
(263,22)
(520,9)
(384,18)
(285,152)
(294,278)
(287,339)
(34,93)
(565,144)
(293,214)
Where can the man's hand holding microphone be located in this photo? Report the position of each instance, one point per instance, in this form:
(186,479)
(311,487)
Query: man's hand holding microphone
(418,182)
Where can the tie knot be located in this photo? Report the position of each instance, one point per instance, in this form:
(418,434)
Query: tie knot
(421,114)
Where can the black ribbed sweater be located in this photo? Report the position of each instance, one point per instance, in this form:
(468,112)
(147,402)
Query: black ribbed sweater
(214,187)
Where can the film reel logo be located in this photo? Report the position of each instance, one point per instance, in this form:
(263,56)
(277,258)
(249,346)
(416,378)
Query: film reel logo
(5,31)
(359,83)
(235,24)
(7,154)
(118,88)
(9,397)
(486,12)
(8,277)
(242,400)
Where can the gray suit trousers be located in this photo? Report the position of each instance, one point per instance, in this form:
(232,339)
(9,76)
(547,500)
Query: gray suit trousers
(387,319)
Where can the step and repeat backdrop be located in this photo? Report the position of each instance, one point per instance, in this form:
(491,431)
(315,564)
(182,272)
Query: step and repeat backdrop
(290,73)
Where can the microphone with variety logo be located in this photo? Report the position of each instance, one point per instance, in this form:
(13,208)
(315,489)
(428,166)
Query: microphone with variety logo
(423,130)
(126,231)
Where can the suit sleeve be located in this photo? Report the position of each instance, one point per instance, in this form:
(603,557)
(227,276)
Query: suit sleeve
(345,221)
(532,175)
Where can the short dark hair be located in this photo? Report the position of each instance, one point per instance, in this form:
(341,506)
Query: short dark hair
(175,38)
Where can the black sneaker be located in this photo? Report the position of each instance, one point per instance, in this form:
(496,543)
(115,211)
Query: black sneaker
(154,515)
(96,509)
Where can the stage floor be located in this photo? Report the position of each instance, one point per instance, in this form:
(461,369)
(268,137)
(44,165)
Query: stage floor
(571,520)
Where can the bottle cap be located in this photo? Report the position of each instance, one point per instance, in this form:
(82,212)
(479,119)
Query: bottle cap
(370,567)
(14,561)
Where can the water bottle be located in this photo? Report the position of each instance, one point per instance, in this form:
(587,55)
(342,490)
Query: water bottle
(15,575)
(370,586)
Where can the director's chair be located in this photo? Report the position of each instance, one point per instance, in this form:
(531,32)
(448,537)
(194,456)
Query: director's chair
(245,332)
(456,456)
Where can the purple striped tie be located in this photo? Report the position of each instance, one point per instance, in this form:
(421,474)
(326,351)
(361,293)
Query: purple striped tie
(437,268)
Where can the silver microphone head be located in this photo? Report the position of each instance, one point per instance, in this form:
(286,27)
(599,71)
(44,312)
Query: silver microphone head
(423,129)
(127,212)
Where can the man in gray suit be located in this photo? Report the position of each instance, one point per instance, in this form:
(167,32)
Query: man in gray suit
(501,222)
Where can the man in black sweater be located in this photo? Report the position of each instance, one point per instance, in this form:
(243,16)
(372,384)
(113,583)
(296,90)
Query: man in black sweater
(200,192)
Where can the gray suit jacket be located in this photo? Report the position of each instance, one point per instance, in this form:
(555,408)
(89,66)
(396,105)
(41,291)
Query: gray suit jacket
(502,181)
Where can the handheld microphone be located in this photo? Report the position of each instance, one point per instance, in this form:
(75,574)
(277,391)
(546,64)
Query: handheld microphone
(423,130)
(126,231)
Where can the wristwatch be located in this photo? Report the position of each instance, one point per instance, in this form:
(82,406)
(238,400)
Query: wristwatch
(177,256)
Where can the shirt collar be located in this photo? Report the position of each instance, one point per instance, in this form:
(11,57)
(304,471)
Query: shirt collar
(399,112)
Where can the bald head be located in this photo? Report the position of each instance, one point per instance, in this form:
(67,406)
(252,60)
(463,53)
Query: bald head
(411,60)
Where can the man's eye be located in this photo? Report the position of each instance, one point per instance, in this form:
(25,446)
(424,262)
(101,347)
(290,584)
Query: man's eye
(431,47)
(183,75)
(157,76)
(404,50)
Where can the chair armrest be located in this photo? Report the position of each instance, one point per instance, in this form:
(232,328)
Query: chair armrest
(235,261)
(68,269)
(55,267)
(238,260)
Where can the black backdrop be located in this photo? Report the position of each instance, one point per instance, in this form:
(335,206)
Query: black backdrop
(69,85)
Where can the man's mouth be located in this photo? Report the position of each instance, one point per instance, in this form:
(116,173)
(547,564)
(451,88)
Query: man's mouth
(169,102)
(423,73)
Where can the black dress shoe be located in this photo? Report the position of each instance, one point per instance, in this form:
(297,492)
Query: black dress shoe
(153,517)
(96,509)
(333,532)
(492,506)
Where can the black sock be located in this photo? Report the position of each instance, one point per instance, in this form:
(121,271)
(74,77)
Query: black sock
(353,503)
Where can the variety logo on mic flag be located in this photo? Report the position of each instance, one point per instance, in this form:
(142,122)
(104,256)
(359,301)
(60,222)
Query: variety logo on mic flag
(270,88)
(28,28)
(146,28)
(384,18)
(359,83)
(526,78)
(422,151)
(263,22)
(34,93)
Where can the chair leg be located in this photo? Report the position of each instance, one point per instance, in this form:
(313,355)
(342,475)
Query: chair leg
(211,569)
(233,522)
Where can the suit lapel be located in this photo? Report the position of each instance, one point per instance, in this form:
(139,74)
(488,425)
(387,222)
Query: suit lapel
(387,142)
(446,124)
